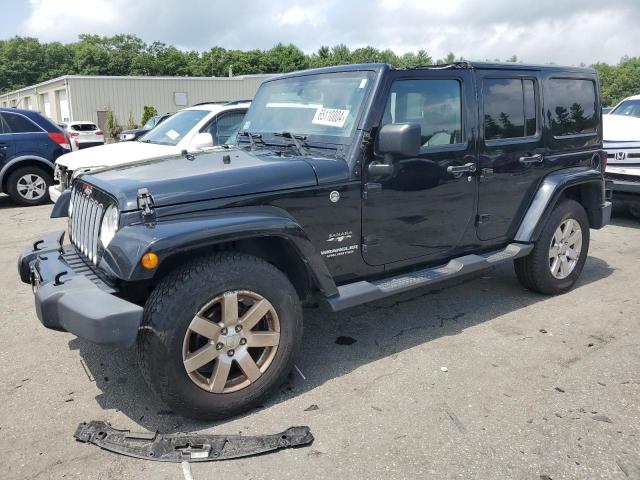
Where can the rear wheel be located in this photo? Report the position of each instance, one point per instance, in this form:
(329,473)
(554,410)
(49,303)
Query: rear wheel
(219,334)
(559,255)
(29,186)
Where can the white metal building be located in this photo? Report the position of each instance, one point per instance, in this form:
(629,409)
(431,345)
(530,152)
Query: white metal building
(82,97)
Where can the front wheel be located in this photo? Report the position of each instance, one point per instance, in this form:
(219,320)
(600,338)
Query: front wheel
(219,334)
(558,257)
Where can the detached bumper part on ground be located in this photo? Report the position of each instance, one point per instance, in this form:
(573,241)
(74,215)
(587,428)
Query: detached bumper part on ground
(70,297)
(188,447)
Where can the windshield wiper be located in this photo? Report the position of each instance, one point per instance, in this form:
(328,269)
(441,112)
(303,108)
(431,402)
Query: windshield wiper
(298,141)
(252,138)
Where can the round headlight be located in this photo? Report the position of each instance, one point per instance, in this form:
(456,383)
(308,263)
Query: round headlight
(109,225)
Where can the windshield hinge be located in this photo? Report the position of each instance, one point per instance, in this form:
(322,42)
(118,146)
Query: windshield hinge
(145,202)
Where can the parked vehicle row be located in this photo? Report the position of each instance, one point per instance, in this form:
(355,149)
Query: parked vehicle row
(192,129)
(622,143)
(346,185)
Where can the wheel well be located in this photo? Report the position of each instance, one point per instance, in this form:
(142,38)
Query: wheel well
(277,251)
(589,195)
(24,163)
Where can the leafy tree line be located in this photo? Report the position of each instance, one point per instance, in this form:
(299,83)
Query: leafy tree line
(25,61)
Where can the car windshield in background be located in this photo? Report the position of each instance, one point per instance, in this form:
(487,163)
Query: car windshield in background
(151,123)
(628,108)
(84,127)
(325,105)
(172,130)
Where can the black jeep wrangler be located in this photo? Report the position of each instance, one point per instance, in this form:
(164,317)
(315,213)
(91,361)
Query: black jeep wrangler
(349,184)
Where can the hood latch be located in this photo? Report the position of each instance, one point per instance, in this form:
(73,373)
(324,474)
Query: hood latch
(145,203)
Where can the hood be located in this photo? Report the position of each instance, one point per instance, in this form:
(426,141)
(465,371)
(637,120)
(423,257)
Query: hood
(620,128)
(213,175)
(135,131)
(114,154)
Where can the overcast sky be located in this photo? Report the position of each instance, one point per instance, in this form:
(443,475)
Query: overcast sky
(541,31)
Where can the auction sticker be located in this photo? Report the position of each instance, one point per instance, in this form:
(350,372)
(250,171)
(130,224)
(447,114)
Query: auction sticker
(172,134)
(332,117)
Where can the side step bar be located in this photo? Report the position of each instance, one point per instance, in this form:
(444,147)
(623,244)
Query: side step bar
(360,292)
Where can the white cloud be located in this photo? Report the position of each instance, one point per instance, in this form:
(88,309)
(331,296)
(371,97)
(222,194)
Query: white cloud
(566,31)
(53,19)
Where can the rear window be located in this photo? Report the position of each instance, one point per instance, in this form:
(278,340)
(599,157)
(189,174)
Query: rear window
(84,127)
(509,108)
(572,107)
(20,124)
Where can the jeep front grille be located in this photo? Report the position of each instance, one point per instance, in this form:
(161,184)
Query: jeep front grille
(85,220)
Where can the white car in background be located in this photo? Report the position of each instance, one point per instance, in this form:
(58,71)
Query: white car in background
(83,134)
(621,132)
(195,128)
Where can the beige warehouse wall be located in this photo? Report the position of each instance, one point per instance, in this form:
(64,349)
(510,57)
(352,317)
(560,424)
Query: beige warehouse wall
(125,95)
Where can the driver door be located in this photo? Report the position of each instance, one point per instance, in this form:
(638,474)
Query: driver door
(420,211)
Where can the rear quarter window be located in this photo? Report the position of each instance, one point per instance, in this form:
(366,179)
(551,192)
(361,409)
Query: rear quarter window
(20,124)
(571,107)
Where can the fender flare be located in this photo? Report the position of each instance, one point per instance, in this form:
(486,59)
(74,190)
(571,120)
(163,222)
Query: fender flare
(185,233)
(23,158)
(551,190)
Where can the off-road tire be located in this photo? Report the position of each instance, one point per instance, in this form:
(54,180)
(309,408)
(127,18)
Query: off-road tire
(172,306)
(634,210)
(12,185)
(533,270)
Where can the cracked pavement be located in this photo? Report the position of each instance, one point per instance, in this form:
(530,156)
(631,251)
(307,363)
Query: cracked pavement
(535,387)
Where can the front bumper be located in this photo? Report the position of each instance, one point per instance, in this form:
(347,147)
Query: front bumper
(70,297)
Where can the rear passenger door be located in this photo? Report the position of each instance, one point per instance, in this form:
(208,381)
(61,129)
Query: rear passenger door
(28,138)
(6,142)
(511,157)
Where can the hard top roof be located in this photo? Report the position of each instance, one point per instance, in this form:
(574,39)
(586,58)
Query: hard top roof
(466,65)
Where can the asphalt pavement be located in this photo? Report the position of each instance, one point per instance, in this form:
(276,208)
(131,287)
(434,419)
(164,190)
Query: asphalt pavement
(476,379)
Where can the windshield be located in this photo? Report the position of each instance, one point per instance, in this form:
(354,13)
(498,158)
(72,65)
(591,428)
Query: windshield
(151,123)
(172,130)
(629,108)
(324,105)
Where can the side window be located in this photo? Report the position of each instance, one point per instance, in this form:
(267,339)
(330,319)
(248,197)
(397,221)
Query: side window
(20,124)
(572,107)
(225,126)
(436,105)
(509,108)
(3,128)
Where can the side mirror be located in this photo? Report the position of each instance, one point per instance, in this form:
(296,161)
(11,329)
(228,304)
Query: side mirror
(402,139)
(202,140)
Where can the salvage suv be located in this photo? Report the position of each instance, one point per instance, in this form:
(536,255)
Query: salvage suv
(348,184)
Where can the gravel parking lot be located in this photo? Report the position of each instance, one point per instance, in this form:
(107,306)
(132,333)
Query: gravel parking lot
(534,387)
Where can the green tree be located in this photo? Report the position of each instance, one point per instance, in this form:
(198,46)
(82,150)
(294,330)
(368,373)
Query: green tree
(147,113)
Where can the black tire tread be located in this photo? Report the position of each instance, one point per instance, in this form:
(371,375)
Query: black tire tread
(13,193)
(213,264)
(533,270)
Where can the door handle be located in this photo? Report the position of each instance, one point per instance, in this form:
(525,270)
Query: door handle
(467,167)
(532,159)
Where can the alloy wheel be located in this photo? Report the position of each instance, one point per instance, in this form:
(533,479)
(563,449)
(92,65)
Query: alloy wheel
(565,248)
(31,187)
(231,342)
